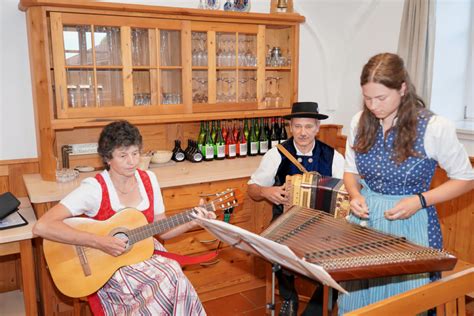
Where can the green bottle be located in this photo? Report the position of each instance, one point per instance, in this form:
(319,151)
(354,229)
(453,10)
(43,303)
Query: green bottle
(208,147)
(202,136)
(262,139)
(214,131)
(253,141)
(219,146)
(257,128)
(246,129)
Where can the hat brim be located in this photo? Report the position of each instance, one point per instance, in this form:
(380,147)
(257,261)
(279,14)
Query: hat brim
(306,114)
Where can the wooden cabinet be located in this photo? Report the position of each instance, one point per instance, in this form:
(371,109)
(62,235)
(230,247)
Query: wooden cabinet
(94,62)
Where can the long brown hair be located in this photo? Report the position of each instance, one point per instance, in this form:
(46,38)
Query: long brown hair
(389,70)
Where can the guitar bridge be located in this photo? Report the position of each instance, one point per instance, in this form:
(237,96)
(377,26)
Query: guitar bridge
(83,260)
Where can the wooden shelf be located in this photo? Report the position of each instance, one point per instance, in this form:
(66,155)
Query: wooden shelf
(68,124)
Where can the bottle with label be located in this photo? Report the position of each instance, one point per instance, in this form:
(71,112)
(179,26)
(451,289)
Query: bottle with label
(235,131)
(241,144)
(246,129)
(257,127)
(274,138)
(208,147)
(219,144)
(263,139)
(214,131)
(283,134)
(253,140)
(224,130)
(193,154)
(178,153)
(202,136)
(230,146)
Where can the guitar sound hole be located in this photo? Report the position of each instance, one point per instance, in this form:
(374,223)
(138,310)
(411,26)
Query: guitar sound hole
(124,237)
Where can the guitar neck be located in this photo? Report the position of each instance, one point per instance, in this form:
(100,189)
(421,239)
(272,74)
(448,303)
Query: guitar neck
(156,228)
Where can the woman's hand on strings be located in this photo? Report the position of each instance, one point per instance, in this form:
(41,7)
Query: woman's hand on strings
(404,208)
(359,207)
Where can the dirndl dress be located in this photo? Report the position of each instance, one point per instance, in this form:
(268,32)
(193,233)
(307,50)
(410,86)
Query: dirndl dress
(155,287)
(385,183)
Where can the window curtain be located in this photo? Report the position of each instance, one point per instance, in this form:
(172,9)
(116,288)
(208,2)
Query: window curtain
(416,43)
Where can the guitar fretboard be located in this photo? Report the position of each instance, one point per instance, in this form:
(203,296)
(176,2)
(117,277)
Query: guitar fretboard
(143,232)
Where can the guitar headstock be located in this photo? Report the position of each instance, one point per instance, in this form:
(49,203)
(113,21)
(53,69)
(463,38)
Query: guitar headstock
(224,200)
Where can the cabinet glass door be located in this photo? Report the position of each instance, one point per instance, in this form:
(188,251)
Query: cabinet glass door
(93,66)
(171,91)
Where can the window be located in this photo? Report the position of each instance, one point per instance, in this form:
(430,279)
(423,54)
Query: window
(453,70)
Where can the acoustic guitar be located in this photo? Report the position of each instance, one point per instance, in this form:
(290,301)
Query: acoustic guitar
(78,271)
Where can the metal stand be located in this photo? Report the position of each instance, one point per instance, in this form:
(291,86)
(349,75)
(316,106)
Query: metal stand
(271,306)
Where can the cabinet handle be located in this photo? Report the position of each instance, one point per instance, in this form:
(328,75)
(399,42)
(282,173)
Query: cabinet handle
(207,264)
(209,241)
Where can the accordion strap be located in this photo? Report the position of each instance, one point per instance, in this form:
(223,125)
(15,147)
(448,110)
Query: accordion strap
(292,158)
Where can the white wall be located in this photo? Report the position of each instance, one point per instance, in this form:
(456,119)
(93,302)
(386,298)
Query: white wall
(338,37)
(17,124)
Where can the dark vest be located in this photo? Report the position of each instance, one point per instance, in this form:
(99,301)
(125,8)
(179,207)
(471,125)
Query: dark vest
(320,161)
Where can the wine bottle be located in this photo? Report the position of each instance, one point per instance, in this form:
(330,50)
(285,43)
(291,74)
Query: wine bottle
(230,146)
(224,130)
(263,139)
(202,136)
(214,131)
(207,127)
(283,134)
(246,129)
(219,144)
(241,144)
(253,140)
(178,153)
(274,138)
(193,154)
(208,147)
(257,127)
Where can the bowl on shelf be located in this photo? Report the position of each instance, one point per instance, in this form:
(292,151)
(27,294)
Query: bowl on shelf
(161,156)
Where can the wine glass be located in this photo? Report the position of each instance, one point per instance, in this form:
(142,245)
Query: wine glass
(269,98)
(278,98)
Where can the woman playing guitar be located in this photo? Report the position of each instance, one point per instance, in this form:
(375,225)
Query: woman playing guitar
(155,286)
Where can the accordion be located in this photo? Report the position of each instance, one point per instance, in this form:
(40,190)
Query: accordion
(314,191)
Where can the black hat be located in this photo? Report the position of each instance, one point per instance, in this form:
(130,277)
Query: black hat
(305,109)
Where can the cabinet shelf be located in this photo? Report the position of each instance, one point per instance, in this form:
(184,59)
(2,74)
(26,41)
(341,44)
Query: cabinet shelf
(70,124)
(285,68)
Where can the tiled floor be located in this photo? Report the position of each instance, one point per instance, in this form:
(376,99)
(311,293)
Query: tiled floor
(252,303)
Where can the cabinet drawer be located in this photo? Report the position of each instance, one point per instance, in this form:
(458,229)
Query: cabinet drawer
(196,241)
(234,267)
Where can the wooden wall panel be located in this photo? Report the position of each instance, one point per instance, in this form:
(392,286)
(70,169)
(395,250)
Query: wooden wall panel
(11,179)
(457,221)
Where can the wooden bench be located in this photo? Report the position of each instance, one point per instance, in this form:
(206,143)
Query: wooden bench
(447,295)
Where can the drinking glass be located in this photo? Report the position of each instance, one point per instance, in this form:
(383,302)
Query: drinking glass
(269,98)
(278,98)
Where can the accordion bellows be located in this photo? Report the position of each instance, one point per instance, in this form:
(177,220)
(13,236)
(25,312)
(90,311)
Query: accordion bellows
(322,193)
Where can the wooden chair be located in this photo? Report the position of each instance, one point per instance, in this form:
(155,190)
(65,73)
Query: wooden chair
(447,295)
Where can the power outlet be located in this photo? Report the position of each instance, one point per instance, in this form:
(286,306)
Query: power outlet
(83,149)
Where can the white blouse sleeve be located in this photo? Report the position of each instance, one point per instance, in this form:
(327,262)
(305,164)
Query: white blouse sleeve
(441,144)
(266,171)
(337,165)
(85,199)
(350,165)
(159,206)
